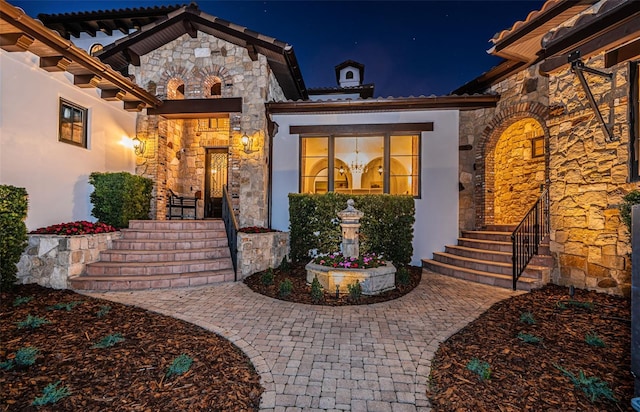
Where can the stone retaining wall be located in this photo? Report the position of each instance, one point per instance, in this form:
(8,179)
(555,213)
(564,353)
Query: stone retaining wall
(260,251)
(49,260)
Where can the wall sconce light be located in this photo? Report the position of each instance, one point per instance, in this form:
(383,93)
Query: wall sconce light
(138,146)
(247,142)
(380,169)
(341,170)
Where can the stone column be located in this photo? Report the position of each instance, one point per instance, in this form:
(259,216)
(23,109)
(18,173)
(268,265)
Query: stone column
(350,230)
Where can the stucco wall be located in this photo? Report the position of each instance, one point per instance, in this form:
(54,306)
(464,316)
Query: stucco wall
(436,210)
(55,174)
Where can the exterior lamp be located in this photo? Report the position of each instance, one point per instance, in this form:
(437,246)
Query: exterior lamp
(247,142)
(380,170)
(138,146)
(341,170)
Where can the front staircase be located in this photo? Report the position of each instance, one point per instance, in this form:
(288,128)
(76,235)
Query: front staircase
(161,254)
(484,256)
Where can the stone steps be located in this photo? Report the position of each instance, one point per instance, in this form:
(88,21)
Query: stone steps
(161,254)
(484,256)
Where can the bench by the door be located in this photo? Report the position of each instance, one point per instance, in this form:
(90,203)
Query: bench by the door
(176,206)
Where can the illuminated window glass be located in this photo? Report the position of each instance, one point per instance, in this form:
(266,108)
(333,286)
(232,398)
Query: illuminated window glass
(537,146)
(73,124)
(314,165)
(404,164)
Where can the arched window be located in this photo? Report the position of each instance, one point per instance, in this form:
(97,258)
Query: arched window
(175,89)
(212,87)
(95,48)
(349,75)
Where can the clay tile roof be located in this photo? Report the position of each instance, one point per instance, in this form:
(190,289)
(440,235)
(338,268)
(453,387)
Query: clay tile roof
(521,23)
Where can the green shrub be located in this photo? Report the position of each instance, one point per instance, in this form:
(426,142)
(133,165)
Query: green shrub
(108,341)
(180,365)
(285,288)
(103,311)
(32,322)
(355,290)
(316,290)
(402,276)
(13,232)
(594,340)
(528,338)
(22,299)
(480,368)
(630,199)
(564,304)
(592,386)
(267,277)
(387,225)
(51,394)
(527,317)
(23,357)
(120,197)
(285,266)
(66,306)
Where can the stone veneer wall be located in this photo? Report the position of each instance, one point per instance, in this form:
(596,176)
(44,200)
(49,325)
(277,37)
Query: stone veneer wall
(194,61)
(50,260)
(260,251)
(589,177)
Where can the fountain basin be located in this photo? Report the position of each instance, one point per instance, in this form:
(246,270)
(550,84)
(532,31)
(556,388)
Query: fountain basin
(373,280)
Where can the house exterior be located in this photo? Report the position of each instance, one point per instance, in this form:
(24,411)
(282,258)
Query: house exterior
(215,105)
(546,132)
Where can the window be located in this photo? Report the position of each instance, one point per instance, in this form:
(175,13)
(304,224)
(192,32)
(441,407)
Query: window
(367,164)
(73,124)
(349,75)
(634,119)
(537,146)
(95,48)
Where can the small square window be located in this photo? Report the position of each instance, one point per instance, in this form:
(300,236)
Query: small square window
(537,146)
(73,124)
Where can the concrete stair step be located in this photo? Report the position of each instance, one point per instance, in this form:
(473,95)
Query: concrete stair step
(475,264)
(156,268)
(177,225)
(475,253)
(157,234)
(167,244)
(486,244)
(128,256)
(501,228)
(487,235)
(479,276)
(178,280)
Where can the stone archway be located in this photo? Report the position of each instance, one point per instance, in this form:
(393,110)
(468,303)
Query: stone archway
(509,175)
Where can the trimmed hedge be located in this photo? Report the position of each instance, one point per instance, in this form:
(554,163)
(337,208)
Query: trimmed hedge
(630,199)
(13,232)
(120,197)
(387,224)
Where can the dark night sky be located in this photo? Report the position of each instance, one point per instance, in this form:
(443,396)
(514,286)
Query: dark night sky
(409,48)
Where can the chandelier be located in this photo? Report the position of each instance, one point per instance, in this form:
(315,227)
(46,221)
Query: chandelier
(356,166)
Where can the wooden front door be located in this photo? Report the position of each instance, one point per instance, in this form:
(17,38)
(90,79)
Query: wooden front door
(216,178)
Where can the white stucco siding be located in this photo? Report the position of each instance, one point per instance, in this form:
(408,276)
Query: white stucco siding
(437,208)
(55,174)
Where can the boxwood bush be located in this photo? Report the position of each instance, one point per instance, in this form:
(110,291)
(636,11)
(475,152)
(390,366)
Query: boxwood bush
(120,197)
(13,232)
(387,224)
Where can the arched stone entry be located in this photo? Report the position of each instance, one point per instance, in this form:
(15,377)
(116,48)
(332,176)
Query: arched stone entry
(510,167)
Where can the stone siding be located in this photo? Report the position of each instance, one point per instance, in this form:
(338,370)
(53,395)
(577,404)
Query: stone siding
(260,251)
(50,260)
(589,177)
(178,159)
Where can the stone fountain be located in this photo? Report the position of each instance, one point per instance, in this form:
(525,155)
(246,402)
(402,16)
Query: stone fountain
(372,280)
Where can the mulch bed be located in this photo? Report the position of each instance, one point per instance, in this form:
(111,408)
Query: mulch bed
(526,376)
(129,376)
(301,291)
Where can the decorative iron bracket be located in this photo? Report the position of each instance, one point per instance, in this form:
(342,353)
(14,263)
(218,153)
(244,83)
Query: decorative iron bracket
(578,67)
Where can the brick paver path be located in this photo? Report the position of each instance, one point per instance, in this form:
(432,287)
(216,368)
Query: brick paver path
(359,358)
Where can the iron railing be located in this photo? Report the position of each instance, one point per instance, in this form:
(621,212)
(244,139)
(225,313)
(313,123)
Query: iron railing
(528,235)
(231,226)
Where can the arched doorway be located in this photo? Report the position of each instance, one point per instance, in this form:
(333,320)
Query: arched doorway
(516,171)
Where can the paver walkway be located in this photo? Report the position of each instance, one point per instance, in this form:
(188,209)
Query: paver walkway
(359,358)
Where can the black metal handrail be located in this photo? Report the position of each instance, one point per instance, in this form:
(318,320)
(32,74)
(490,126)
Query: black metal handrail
(231,226)
(528,235)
